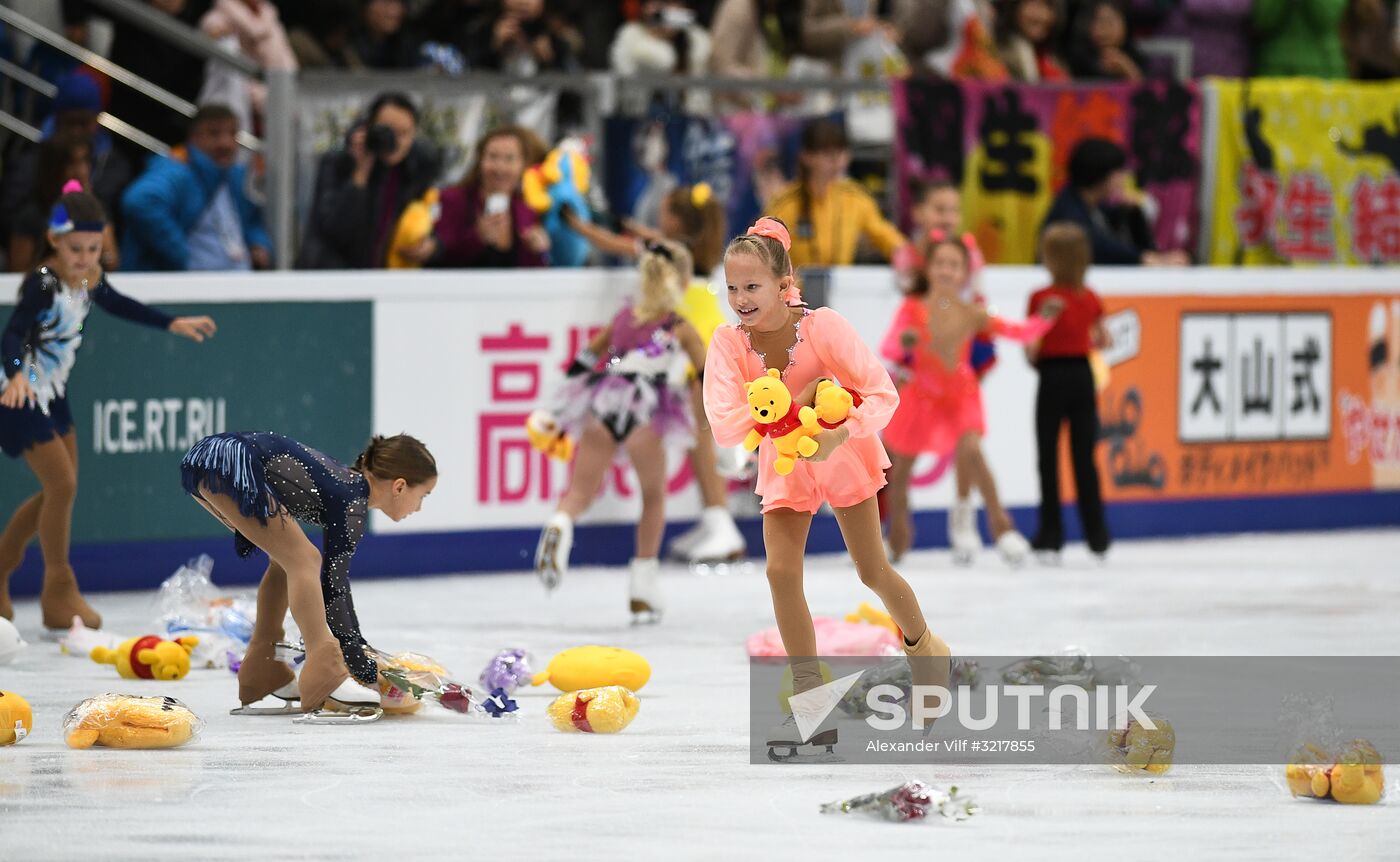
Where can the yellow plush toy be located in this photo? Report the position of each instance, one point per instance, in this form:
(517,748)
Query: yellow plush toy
(16,718)
(149,657)
(594,710)
(1354,778)
(544,433)
(867,613)
(777,417)
(128,721)
(594,667)
(415,225)
(1138,749)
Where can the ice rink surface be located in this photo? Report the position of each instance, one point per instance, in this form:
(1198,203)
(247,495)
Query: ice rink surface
(677,784)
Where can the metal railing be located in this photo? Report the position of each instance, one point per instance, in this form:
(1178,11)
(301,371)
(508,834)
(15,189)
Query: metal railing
(123,76)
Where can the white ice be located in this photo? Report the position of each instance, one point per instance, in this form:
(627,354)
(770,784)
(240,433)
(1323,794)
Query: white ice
(678,783)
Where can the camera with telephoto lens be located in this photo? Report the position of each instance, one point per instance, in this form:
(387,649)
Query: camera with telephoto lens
(380,140)
(673,17)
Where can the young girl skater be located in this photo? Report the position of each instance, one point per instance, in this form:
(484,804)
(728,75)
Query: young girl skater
(39,347)
(776,331)
(940,407)
(258,485)
(634,403)
(691,216)
(1067,388)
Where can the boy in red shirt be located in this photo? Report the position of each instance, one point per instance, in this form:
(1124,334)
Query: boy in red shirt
(1067,387)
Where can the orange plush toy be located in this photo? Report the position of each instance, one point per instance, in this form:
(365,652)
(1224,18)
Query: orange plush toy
(1353,778)
(149,657)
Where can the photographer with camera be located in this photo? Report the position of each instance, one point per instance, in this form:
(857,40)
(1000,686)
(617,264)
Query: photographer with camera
(362,189)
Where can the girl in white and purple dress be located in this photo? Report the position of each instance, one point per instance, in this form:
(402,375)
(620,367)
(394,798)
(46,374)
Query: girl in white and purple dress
(636,401)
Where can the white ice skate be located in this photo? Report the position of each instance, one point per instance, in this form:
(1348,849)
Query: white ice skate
(284,701)
(962,532)
(645,591)
(785,744)
(680,546)
(552,554)
(721,540)
(350,703)
(1014,548)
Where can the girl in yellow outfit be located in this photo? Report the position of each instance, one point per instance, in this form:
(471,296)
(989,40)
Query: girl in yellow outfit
(691,216)
(830,212)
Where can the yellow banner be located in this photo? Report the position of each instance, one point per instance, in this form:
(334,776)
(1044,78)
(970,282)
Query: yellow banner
(1307,172)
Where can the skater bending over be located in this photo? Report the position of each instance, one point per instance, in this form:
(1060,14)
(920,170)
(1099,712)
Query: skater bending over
(259,485)
(636,403)
(776,331)
(39,347)
(940,404)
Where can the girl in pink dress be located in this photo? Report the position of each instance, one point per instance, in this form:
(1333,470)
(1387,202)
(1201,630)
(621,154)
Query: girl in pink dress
(940,409)
(776,331)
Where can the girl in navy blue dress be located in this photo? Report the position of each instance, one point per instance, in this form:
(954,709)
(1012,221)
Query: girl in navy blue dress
(39,347)
(259,485)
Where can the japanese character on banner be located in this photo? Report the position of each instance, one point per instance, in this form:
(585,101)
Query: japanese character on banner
(1005,133)
(509,469)
(1375,219)
(1205,383)
(1307,210)
(1254,218)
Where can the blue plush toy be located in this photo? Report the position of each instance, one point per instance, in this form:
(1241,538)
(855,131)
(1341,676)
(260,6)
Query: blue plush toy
(561,180)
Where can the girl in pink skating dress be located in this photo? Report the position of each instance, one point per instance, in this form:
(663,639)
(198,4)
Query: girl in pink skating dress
(940,411)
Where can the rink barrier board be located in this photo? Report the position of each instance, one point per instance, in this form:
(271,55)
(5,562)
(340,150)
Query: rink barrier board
(421,325)
(143,565)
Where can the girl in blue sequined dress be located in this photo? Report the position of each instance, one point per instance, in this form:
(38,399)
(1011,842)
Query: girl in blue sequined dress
(259,485)
(39,347)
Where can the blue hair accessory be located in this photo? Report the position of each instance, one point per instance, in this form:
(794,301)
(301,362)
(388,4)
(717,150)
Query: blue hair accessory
(60,223)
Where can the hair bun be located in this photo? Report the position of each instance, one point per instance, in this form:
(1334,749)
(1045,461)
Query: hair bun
(71,186)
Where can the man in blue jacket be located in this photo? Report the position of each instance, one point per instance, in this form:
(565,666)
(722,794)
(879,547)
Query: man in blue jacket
(191,211)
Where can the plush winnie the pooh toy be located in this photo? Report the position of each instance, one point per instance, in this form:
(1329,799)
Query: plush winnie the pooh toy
(1353,778)
(594,710)
(128,721)
(149,657)
(833,404)
(776,416)
(16,718)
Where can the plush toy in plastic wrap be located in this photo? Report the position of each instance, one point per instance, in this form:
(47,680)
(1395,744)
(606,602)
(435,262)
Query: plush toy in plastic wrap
(560,181)
(594,710)
(595,667)
(508,670)
(16,718)
(129,721)
(544,433)
(1138,748)
(1354,775)
(912,800)
(189,603)
(149,657)
(778,418)
(407,679)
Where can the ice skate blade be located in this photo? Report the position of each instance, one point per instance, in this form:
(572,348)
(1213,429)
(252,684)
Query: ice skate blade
(962,558)
(262,707)
(546,567)
(348,715)
(791,754)
(642,614)
(1048,558)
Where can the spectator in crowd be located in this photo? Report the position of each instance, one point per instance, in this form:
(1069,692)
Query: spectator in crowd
(324,40)
(484,221)
(596,24)
(827,212)
(76,106)
(1218,31)
(191,210)
(1299,37)
(1098,168)
(665,40)
(60,159)
(914,26)
(523,37)
(52,64)
(755,39)
(252,28)
(381,40)
(1100,46)
(151,57)
(1025,38)
(362,189)
(1371,39)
